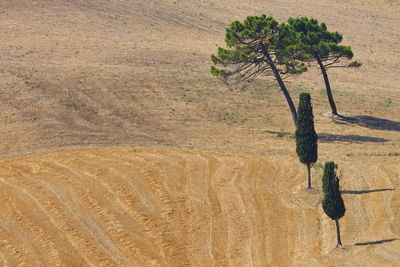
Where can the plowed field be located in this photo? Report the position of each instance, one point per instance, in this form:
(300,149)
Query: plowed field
(146,207)
(118,148)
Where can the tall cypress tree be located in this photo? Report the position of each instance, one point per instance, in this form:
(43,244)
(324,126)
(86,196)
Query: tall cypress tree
(306,137)
(332,202)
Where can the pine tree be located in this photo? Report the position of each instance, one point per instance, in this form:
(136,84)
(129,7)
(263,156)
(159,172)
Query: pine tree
(322,46)
(306,137)
(259,46)
(332,202)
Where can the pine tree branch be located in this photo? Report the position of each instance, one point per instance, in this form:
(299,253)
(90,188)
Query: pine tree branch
(336,60)
(340,66)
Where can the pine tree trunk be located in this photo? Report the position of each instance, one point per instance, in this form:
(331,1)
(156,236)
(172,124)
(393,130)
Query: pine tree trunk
(328,87)
(309,176)
(281,84)
(339,242)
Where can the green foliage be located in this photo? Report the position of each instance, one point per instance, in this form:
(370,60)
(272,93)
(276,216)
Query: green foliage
(317,42)
(248,43)
(328,176)
(388,101)
(306,137)
(332,202)
(217,72)
(355,64)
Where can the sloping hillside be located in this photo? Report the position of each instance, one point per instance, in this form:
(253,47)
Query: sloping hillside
(218,183)
(78,73)
(146,207)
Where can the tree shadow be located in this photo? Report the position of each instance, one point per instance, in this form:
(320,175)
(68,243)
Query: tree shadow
(370,122)
(353,138)
(360,192)
(376,242)
(280,134)
(330,138)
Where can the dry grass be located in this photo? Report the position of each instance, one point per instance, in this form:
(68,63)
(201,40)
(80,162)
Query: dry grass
(117,73)
(136,73)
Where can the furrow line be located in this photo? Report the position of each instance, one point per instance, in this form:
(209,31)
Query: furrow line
(165,215)
(243,226)
(114,229)
(279,212)
(166,245)
(246,185)
(224,178)
(16,253)
(61,221)
(258,176)
(45,241)
(3,260)
(389,199)
(173,250)
(156,186)
(148,170)
(219,231)
(132,161)
(126,199)
(197,221)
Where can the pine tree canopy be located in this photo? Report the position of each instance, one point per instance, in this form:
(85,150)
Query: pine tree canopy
(248,43)
(306,137)
(332,202)
(317,42)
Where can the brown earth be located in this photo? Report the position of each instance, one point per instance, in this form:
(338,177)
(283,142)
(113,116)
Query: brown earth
(78,74)
(109,73)
(156,207)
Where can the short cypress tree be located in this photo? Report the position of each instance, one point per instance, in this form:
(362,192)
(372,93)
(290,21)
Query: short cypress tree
(306,137)
(332,202)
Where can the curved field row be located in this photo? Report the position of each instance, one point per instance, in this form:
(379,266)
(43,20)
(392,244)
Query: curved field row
(149,207)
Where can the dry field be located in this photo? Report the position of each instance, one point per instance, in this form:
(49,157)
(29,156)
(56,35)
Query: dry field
(155,207)
(119,148)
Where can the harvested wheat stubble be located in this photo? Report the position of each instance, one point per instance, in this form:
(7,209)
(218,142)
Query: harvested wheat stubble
(168,207)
